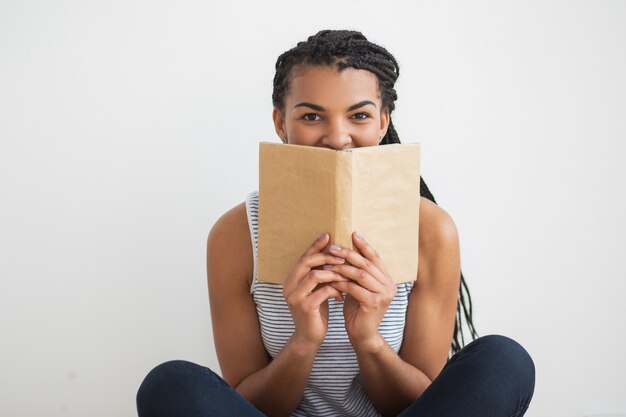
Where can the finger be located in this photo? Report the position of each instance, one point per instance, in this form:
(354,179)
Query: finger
(305,265)
(315,278)
(354,290)
(317,245)
(317,260)
(323,294)
(308,260)
(360,276)
(360,262)
(314,257)
(368,252)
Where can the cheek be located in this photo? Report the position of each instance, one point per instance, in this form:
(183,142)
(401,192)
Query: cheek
(299,134)
(370,133)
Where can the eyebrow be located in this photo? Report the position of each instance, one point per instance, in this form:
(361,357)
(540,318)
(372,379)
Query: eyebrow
(320,108)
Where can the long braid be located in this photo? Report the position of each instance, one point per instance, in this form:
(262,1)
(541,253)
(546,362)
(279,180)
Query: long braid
(350,49)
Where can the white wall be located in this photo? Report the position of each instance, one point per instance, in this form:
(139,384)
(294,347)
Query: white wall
(128,127)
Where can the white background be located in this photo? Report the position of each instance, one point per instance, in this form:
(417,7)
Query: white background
(128,127)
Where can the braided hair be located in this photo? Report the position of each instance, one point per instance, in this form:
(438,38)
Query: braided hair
(350,49)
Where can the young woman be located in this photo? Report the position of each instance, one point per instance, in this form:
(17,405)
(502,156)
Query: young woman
(339,338)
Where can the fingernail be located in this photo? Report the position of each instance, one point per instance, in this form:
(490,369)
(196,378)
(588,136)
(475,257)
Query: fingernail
(358,236)
(322,237)
(328,266)
(338,258)
(335,248)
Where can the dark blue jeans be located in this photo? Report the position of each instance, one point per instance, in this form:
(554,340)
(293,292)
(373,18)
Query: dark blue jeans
(493,376)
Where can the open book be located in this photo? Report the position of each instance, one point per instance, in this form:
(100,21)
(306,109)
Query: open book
(305,191)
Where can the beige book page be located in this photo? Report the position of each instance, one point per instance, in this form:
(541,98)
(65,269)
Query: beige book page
(296,204)
(386,200)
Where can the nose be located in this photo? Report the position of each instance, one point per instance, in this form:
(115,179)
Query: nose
(337,136)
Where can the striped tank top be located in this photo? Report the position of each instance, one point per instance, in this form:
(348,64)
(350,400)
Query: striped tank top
(334,387)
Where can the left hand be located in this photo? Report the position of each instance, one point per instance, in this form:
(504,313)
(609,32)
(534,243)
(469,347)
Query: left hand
(368,293)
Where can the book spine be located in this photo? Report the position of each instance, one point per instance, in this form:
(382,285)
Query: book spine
(342,233)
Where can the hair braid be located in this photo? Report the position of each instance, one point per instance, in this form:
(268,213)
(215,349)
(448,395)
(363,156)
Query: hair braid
(350,49)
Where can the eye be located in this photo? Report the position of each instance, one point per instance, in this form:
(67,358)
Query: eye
(361,116)
(311,117)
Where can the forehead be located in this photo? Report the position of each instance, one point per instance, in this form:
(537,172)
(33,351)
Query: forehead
(325,85)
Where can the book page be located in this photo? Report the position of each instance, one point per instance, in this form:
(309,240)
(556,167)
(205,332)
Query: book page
(386,198)
(296,204)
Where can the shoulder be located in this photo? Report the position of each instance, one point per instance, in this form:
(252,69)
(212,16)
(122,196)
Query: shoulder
(229,245)
(436,226)
(439,248)
(236,218)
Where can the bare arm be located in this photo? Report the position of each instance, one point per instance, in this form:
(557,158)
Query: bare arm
(273,386)
(394,381)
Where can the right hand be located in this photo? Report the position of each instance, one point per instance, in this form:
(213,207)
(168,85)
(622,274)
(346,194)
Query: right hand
(306,290)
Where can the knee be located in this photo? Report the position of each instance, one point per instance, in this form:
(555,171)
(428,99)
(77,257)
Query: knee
(165,373)
(157,381)
(509,356)
(166,381)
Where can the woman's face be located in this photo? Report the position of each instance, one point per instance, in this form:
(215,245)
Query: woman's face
(332,109)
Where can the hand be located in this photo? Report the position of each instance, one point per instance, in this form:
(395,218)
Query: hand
(307,291)
(369,291)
